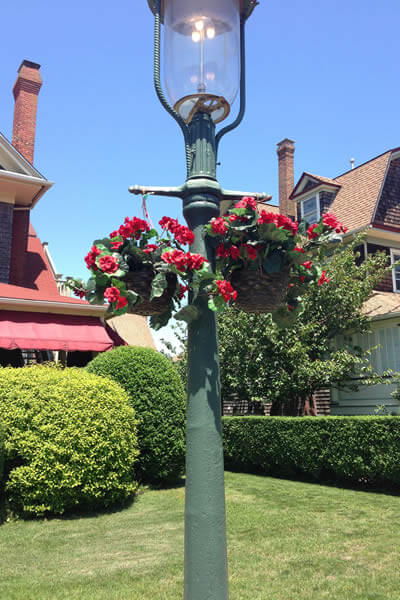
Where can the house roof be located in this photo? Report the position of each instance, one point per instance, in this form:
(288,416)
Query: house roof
(359,193)
(39,283)
(271,208)
(382,303)
(358,190)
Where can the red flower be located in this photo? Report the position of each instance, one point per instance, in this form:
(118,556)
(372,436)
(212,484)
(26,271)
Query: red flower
(150,248)
(311,234)
(290,307)
(323,279)
(133,228)
(183,235)
(116,245)
(251,251)
(79,292)
(286,223)
(114,234)
(219,226)
(267,218)
(234,252)
(298,249)
(221,251)
(122,302)
(329,220)
(246,202)
(90,258)
(176,257)
(301,278)
(307,264)
(112,294)
(108,264)
(226,290)
(195,261)
(182,290)
(233,218)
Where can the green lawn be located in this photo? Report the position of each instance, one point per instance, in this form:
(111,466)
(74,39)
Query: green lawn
(287,541)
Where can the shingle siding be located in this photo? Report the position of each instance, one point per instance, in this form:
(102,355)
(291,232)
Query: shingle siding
(388,212)
(6,223)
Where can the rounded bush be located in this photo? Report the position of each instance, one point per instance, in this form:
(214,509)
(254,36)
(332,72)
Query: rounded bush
(157,395)
(70,440)
(2,453)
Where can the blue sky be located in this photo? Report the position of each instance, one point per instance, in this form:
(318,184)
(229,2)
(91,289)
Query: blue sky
(325,74)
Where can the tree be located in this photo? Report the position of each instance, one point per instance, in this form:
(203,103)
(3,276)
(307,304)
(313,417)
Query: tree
(286,366)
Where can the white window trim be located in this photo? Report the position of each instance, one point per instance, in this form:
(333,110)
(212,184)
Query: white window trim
(316,195)
(394,251)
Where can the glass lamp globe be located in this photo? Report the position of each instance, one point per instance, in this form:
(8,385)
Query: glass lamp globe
(202,56)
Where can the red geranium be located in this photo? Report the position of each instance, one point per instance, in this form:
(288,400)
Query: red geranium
(150,248)
(222,251)
(122,302)
(246,202)
(307,264)
(226,290)
(219,226)
(286,223)
(112,294)
(195,261)
(235,252)
(267,218)
(108,264)
(176,257)
(331,221)
(182,290)
(311,234)
(251,251)
(90,258)
(323,279)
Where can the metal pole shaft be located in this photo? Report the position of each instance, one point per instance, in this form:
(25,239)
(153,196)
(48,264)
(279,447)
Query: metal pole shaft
(206,570)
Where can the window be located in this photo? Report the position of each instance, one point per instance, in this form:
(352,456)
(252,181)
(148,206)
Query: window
(310,210)
(395,257)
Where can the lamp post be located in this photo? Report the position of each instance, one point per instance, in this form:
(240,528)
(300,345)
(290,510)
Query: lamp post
(204,70)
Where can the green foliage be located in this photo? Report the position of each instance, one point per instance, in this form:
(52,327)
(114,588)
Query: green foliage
(355,449)
(286,366)
(2,453)
(157,395)
(70,440)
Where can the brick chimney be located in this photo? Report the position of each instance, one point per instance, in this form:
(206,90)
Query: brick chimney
(285,153)
(26,92)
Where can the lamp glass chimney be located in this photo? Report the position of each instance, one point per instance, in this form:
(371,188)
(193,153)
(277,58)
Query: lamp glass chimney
(202,55)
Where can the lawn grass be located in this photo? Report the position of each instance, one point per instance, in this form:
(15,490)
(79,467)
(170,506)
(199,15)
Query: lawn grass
(287,541)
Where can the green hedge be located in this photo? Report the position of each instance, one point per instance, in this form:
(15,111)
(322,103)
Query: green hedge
(70,440)
(156,393)
(362,450)
(2,454)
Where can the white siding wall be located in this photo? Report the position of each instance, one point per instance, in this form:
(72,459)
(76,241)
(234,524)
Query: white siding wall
(386,335)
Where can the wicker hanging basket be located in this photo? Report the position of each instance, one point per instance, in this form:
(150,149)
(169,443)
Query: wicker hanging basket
(140,282)
(258,291)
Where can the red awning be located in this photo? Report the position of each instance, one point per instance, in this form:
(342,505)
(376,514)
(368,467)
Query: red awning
(41,331)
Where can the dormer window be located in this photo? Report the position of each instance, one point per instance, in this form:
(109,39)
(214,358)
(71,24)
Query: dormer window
(395,257)
(310,211)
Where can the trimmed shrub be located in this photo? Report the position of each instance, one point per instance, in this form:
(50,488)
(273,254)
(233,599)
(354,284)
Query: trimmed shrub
(2,454)
(70,440)
(156,393)
(362,450)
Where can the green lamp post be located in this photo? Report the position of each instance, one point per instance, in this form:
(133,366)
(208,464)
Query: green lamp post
(204,71)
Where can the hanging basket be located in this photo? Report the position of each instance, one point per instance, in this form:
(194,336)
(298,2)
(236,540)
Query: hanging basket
(140,282)
(258,291)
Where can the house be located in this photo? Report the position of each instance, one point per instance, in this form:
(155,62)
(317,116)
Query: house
(38,319)
(366,199)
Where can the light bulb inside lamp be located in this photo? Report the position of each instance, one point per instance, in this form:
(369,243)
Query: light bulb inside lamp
(199,25)
(196,36)
(210,33)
